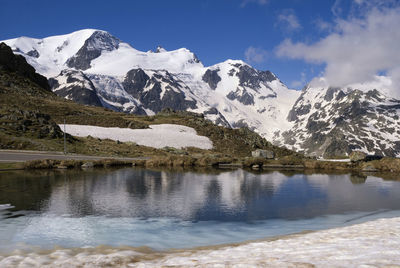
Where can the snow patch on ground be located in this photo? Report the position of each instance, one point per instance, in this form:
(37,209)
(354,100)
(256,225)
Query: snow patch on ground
(157,136)
(371,244)
(334,160)
(374,244)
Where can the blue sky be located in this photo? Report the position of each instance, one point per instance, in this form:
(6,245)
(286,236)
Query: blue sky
(215,30)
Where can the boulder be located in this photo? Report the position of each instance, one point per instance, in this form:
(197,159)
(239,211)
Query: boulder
(357,156)
(373,157)
(88,165)
(263,153)
(255,167)
(369,168)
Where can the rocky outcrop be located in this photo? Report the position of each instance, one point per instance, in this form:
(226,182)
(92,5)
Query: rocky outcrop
(17,64)
(251,77)
(267,154)
(135,81)
(251,81)
(214,115)
(31,123)
(241,95)
(159,91)
(335,122)
(212,78)
(77,87)
(357,156)
(98,42)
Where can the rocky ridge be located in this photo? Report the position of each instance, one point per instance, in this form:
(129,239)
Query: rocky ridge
(95,68)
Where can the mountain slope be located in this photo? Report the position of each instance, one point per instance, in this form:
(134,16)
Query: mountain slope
(93,67)
(30,114)
(336,121)
(117,76)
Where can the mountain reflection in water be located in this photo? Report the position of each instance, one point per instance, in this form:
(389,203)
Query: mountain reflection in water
(99,202)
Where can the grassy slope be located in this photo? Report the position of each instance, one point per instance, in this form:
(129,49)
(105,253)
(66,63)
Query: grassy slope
(18,95)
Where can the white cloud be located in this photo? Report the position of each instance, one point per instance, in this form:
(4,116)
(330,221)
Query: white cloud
(357,50)
(288,20)
(323,25)
(301,82)
(336,8)
(255,55)
(260,2)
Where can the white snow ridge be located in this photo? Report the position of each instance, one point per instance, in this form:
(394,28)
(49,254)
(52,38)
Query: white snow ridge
(157,136)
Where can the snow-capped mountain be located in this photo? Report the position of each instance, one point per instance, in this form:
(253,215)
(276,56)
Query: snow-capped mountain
(335,121)
(95,68)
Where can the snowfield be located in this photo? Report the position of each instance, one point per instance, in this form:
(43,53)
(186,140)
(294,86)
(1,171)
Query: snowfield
(371,244)
(157,136)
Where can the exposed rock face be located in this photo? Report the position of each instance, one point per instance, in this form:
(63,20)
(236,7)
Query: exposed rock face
(93,47)
(242,96)
(76,86)
(31,122)
(33,53)
(250,79)
(267,154)
(214,115)
(357,156)
(325,122)
(135,81)
(212,78)
(161,90)
(18,64)
(334,122)
(126,79)
(113,96)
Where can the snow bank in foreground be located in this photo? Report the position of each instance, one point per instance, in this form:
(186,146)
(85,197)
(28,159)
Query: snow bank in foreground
(371,244)
(375,244)
(157,136)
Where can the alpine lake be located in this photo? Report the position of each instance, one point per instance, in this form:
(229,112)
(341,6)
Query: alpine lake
(166,210)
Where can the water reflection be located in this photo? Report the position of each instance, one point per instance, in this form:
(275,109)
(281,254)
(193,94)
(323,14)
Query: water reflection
(163,209)
(226,196)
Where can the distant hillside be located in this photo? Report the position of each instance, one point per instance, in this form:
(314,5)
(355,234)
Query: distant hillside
(93,67)
(29,114)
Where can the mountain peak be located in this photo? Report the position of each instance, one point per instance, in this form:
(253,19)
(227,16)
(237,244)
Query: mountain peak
(160,49)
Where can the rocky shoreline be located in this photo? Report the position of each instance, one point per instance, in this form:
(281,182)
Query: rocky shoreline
(390,166)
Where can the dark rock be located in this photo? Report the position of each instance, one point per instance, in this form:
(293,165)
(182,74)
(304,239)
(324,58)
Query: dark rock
(212,78)
(373,157)
(242,96)
(83,92)
(137,80)
(33,53)
(92,48)
(17,64)
(251,77)
(357,156)
(269,96)
(330,93)
(294,113)
(53,83)
(212,110)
